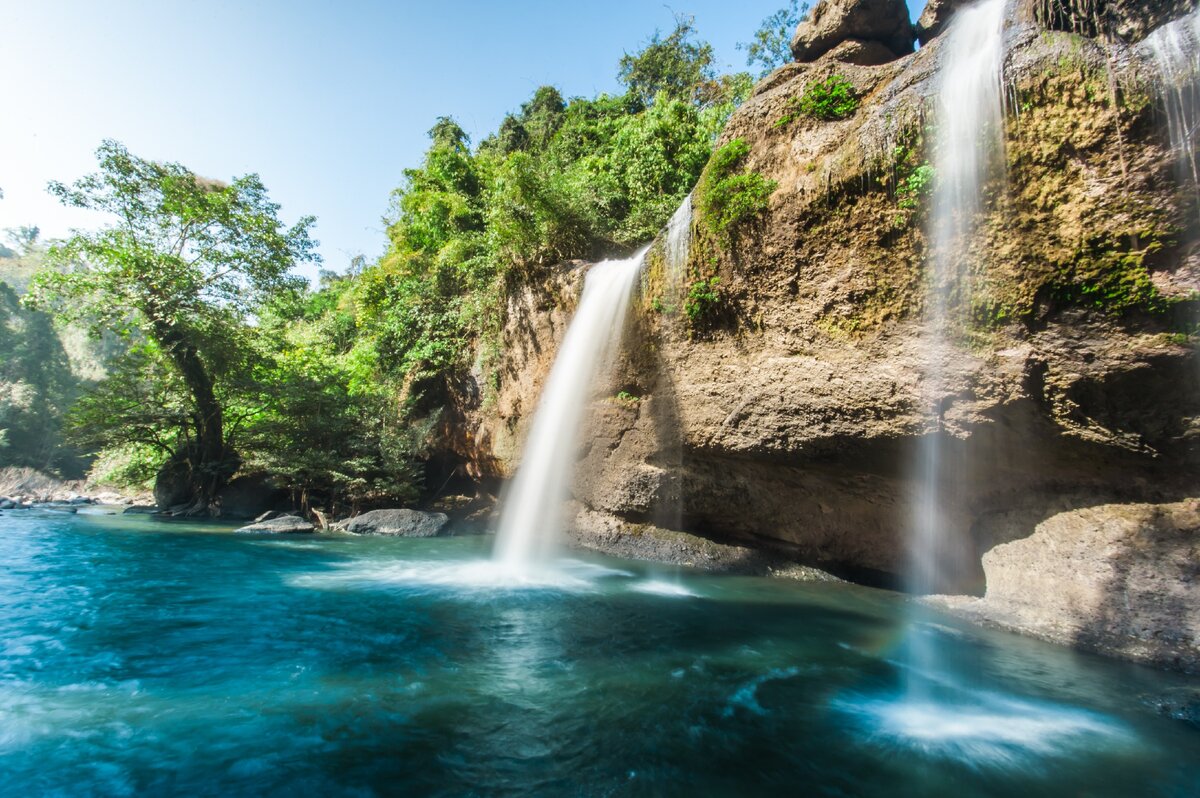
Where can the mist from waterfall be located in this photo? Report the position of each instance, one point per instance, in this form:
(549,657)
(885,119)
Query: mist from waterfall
(533,511)
(968,120)
(1175,51)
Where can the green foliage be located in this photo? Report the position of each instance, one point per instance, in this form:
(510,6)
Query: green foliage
(37,386)
(828,100)
(914,187)
(678,67)
(771,46)
(626,396)
(728,197)
(703,299)
(185,263)
(336,389)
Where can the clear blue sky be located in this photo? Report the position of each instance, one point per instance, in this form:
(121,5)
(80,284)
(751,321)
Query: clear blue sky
(328,101)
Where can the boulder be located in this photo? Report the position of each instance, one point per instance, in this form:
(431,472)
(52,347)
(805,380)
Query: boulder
(284,524)
(834,21)
(7,504)
(935,16)
(402,523)
(140,509)
(1120,579)
(860,53)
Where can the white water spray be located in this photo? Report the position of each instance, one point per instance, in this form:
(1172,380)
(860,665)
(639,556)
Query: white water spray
(1175,50)
(532,516)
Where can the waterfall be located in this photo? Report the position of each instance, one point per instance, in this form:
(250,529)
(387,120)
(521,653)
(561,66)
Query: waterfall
(1175,51)
(968,120)
(969,117)
(676,242)
(532,515)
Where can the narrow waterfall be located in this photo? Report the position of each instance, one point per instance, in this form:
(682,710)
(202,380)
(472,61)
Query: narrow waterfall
(1175,51)
(532,515)
(968,122)
(677,240)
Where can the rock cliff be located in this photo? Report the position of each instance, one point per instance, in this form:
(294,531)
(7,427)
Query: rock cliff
(789,420)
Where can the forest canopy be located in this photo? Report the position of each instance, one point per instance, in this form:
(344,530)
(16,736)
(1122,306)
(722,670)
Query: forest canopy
(229,365)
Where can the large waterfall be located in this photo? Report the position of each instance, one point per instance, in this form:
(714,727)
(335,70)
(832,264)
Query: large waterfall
(969,116)
(532,514)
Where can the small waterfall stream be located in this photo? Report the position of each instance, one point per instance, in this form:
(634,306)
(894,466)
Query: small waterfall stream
(677,241)
(532,516)
(1175,51)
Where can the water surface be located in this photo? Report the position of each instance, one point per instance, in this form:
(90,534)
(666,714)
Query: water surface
(147,658)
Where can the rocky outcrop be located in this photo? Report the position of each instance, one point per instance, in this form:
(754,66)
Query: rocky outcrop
(398,523)
(1119,20)
(284,524)
(935,17)
(793,422)
(881,22)
(1118,579)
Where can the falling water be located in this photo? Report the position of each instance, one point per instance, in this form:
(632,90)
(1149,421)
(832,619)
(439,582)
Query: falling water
(532,516)
(968,118)
(677,240)
(1175,49)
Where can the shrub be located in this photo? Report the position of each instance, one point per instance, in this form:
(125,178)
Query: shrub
(728,199)
(702,300)
(827,100)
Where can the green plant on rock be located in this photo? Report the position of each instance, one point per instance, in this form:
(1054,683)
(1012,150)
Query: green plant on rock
(703,297)
(914,187)
(729,198)
(827,100)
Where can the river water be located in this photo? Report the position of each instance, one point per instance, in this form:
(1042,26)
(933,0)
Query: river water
(143,658)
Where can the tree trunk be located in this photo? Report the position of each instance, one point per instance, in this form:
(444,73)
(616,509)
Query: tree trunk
(205,464)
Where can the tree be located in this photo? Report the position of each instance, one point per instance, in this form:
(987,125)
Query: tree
(678,67)
(185,262)
(772,44)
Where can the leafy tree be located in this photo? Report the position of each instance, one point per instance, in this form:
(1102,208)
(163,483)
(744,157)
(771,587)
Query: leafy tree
(184,263)
(678,67)
(36,388)
(771,46)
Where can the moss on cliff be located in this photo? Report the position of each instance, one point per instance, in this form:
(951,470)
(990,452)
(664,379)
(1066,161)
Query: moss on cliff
(1069,225)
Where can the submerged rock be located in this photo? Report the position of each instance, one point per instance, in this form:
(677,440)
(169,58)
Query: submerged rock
(140,509)
(402,523)
(285,524)
(1121,579)
(832,22)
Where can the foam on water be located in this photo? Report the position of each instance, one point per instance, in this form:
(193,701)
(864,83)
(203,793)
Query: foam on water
(473,578)
(984,729)
(658,587)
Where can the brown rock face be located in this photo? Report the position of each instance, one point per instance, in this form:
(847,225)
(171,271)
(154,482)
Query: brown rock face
(1119,579)
(1121,20)
(885,22)
(791,421)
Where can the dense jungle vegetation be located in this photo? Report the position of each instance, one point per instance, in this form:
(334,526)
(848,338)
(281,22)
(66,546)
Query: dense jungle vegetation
(207,358)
